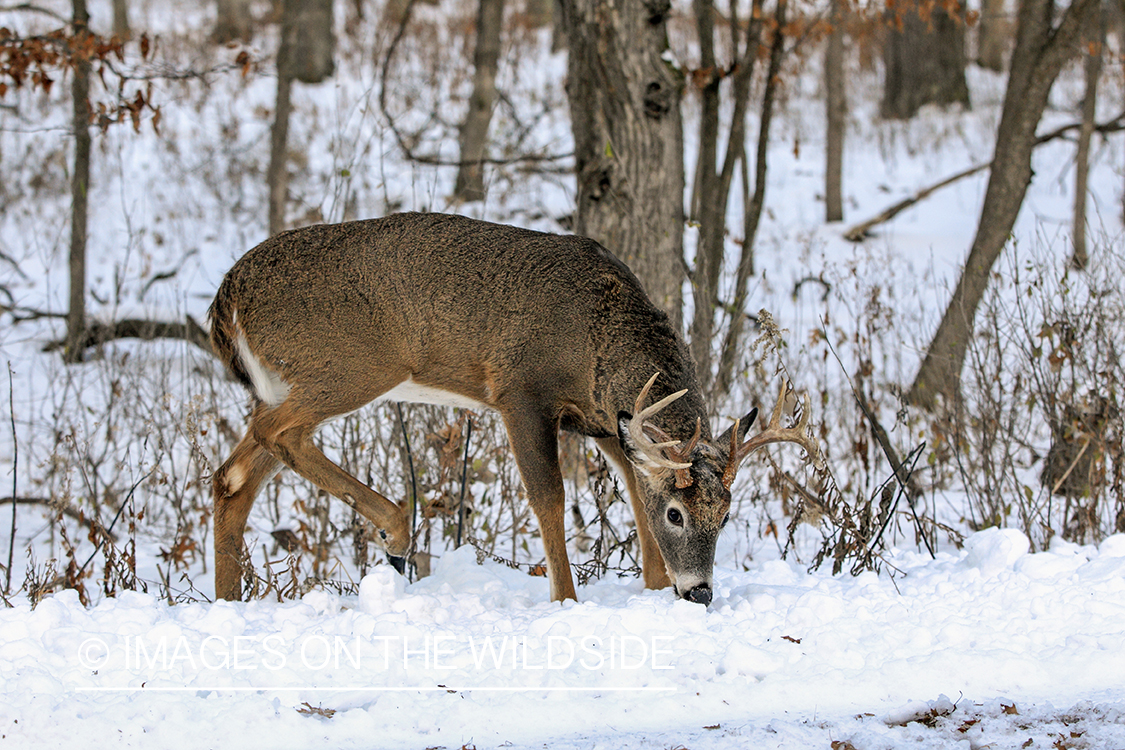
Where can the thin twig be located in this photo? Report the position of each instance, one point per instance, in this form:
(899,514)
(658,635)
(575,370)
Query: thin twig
(413,481)
(33,9)
(15,480)
(109,530)
(464,476)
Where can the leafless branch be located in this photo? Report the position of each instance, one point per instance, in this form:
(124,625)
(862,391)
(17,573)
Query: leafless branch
(145,330)
(860,231)
(28,7)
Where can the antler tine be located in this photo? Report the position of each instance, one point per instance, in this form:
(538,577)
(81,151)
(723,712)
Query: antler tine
(652,450)
(775,433)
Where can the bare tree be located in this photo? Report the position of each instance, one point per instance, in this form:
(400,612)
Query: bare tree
(1092,43)
(306,53)
(754,202)
(79,192)
(234,21)
(625,111)
(121,28)
(1041,50)
(713,178)
(836,110)
(474,130)
(992,35)
(923,59)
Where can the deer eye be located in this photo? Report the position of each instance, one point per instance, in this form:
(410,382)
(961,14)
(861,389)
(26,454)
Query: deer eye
(675,517)
(725,519)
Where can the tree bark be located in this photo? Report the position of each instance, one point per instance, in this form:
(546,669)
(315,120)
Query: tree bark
(924,60)
(308,44)
(1092,43)
(277,174)
(121,28)
(233,23)
(79,192)
(307,28)
(992,35)
(625,112)
(836,110)
(1040,52)
(474,130)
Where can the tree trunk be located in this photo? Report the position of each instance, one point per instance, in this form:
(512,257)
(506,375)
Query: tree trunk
(233,23)
(308,44)
(1092,43)
(625,112)
(1041,50)
(121,28)
(79,192)
(474,130)
(836,107)
(924,61)
(306,26)
(277,174)
(992,35)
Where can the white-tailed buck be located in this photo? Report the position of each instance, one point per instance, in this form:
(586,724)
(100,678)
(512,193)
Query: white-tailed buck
(550,331)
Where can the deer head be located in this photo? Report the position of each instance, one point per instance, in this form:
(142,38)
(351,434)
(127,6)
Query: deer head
(687,484)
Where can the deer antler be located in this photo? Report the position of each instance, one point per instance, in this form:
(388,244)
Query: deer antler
(643,434)
(774,433)
(676,452)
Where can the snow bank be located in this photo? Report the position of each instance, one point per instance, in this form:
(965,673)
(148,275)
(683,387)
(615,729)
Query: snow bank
(476,654)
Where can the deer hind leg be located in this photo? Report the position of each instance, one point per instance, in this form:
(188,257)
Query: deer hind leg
(286,431)
(653,569)
(235,485)
(535,445)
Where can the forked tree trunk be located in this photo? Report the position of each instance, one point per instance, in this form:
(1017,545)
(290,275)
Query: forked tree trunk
(1092,43)
(1041,50)
(924,61)
(79,194)
(474,130)
(752,213)
(625,112)
(713,178)
(836,109)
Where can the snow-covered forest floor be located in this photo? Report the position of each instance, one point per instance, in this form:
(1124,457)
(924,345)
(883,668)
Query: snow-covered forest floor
(1001,638)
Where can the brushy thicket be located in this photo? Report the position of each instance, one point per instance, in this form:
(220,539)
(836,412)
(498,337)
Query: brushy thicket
(1035,444)
(118,451)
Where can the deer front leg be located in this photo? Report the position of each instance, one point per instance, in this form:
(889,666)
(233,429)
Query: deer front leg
(234,486)
(653,569)
(535,444)
(286,431)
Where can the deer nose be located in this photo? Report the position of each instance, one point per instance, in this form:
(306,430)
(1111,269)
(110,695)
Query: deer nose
(700,594)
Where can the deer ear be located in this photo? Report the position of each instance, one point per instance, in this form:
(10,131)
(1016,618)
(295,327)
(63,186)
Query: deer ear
(723,441)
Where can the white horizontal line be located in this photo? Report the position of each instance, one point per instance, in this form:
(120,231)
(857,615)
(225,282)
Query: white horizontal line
(404,689)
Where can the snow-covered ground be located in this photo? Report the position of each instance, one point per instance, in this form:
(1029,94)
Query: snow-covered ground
(987,644)
(992,647)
